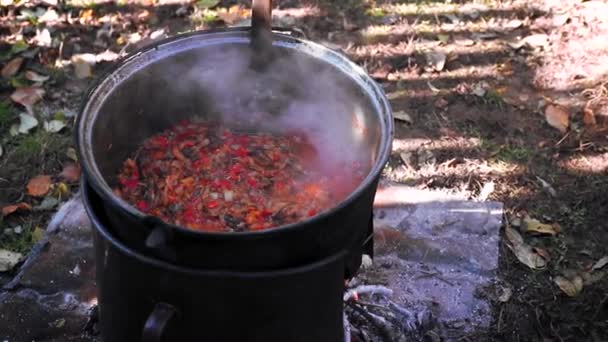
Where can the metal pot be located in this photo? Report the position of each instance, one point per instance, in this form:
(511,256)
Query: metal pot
(145,299)
(193,75)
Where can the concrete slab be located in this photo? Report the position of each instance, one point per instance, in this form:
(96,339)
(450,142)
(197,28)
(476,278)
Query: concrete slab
(51,297)
(434,250)
(437,252)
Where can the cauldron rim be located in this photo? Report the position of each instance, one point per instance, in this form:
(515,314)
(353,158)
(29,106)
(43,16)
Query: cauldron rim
(101,187)
(101,228)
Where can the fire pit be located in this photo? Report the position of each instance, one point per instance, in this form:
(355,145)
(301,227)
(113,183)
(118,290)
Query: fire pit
(159,281)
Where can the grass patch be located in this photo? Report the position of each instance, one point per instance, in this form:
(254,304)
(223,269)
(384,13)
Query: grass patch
(36,145)
(501,152)
(514,153)
(7,115)
(22,242)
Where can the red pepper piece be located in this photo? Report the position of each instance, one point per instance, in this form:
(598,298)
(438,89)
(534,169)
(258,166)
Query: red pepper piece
(241,152)
(213,204)
(253,183)
(142,205)
(159,142)
(129,184)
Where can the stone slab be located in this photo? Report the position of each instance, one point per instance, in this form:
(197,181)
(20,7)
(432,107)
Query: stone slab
(433,249)
(438,252)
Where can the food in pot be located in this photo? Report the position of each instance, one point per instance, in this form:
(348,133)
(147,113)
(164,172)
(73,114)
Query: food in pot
(212,178)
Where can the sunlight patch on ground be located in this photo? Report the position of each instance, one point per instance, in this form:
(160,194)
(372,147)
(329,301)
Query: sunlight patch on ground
(412,144)
(586,163)
(456,157)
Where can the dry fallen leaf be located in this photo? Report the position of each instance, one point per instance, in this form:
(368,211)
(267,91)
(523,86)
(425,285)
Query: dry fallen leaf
(403,116)
(436,60)
(43,38)
(12,67)
(572,287)
(9,259)
(86,16)
(558,117)
(589,116)
(71,153)
(39,186)
(26,123)
(28,97)
(48,203)
(9,209)
(535,258)
(36,77)
(600,263)
(83,64)
(54,126)
(233,14)
(531,225)
(537,40)
(505,294)
(70,173)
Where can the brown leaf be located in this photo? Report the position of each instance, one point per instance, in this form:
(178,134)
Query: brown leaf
(70,173)
(12,67)
(86,16)
(535,258)
(589,116)
(558,117)
(39,186)
(233,14)
(9,209)
(572,287)
(28,96)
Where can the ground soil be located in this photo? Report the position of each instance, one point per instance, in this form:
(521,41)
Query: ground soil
(475,123)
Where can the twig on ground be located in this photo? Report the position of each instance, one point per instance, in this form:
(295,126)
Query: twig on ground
(346,327)
(562,139)
(367,289)
(383,326)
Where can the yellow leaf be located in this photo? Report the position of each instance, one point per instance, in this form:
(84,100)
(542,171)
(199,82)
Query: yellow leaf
(37,234)
(61,190)
(534,226)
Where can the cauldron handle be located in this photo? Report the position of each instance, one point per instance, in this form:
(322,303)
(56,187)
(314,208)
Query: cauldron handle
(261,32)
(157,323)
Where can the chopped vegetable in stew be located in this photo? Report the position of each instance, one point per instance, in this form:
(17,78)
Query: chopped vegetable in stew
(211,178)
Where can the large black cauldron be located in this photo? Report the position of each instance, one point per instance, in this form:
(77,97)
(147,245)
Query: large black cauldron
(206,75)
(142,298)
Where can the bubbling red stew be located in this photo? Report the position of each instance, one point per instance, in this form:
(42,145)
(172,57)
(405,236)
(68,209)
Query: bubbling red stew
(207,177)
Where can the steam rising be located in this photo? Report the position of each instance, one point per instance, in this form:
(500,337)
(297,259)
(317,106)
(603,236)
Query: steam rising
(296,94)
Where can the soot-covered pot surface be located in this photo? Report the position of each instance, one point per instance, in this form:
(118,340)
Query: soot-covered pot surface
(207,76)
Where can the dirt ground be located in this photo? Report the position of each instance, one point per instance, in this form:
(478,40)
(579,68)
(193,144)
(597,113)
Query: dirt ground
(501,100)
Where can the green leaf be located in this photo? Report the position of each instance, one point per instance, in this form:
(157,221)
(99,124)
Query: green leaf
(18,82)
(207,3)
(18,47)
(59,116)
